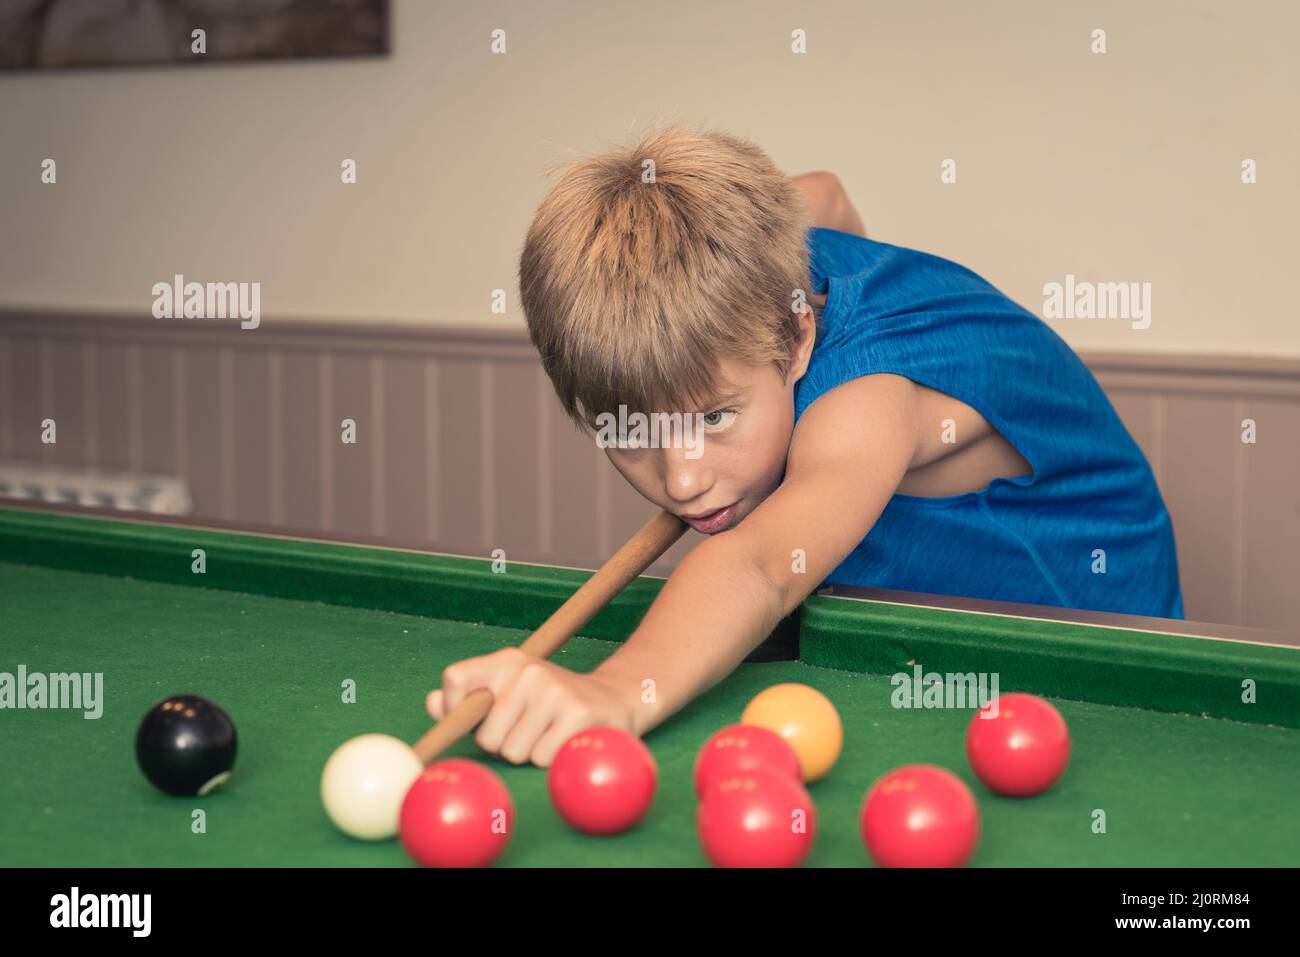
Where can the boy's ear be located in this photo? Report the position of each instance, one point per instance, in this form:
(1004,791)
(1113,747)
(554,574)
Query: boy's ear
(804,347)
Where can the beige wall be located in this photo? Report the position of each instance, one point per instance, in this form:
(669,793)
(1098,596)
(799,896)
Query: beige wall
(1123,167)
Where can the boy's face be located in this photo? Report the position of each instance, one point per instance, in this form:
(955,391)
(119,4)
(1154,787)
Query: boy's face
(739,457)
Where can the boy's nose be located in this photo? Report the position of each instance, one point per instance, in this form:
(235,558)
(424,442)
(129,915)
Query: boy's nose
(685,478)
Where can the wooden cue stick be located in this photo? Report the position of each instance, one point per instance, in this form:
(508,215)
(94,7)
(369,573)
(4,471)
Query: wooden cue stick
(653,539)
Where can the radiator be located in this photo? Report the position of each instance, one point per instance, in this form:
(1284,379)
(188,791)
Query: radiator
(158,495)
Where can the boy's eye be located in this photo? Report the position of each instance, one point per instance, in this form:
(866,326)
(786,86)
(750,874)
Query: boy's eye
(719,418)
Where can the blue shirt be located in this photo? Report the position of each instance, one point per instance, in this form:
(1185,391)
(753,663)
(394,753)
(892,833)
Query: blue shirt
(1040,538)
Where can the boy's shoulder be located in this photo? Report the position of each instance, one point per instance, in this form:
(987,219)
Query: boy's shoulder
(837,254)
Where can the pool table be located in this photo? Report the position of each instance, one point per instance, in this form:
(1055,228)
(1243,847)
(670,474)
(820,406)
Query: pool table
(1173,762)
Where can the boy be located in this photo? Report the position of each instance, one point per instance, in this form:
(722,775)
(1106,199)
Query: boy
(871,415)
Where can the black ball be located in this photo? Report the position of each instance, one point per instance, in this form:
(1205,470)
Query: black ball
(186,745)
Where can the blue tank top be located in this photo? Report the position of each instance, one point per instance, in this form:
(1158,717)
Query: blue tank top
(1087,529)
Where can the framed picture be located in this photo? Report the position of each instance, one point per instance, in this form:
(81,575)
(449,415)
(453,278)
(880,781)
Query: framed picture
(54,34)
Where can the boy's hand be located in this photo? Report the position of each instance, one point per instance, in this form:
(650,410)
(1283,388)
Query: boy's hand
(536,706)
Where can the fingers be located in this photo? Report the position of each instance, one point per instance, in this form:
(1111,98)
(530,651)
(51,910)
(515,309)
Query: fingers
(555,715)
(494,672)
(549,743)
(518,745)
(539,706)
(536,706)
(509,705)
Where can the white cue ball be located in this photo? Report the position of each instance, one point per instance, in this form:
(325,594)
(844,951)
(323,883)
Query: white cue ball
(364,783)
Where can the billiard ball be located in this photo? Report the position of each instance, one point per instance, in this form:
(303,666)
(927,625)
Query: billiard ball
(186,745)
(920,815)
(1018,745)
(457,814)
(761,818)
(602,780)
(739,748)
(806,719)
(364,782)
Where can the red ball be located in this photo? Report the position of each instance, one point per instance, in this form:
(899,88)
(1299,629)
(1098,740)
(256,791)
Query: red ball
(1022,748)
(602,781)
(739,748)
(920,815)
(456,814)
(762,818)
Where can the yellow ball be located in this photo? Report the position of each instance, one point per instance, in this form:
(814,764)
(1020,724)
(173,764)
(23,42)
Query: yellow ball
(806,719)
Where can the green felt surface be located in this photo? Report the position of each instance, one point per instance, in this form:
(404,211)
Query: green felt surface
(1175,789)
(1105,665)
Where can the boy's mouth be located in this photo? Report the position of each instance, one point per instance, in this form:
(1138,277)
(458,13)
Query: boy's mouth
(708,523)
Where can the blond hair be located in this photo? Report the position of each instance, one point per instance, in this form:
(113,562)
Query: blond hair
(637,277)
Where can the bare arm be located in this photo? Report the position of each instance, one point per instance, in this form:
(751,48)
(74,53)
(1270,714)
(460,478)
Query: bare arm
(829,202)
(732,589)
